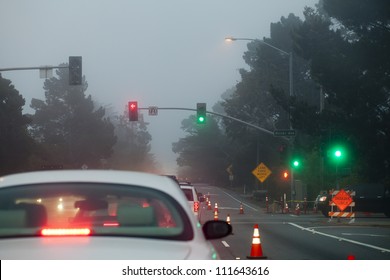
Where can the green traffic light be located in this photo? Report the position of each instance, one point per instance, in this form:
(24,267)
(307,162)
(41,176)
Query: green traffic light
(296,163)
(338,154)
(201,119)
(201,113)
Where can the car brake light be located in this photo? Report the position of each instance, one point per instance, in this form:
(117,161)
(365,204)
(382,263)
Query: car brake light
(65,231)
(196,206)
(110,224)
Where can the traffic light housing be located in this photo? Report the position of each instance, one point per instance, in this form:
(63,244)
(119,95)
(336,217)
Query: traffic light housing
(133,111)
(283,154)
(201,113)
(75,70)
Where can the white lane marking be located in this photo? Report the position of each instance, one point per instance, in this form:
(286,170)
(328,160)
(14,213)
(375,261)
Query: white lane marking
(364,234)
(342,239)
(254,209)
(225,243)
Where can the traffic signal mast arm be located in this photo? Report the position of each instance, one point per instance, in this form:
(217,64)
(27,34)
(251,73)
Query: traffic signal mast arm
(223,116)
(32,68)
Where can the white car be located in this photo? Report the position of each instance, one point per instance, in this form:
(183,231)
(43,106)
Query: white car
(100,214)
(194,199)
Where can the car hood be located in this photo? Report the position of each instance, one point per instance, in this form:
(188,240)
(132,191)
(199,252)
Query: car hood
(107,248)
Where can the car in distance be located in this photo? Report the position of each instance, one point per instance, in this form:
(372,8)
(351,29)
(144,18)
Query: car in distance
(373,198)
(193,197)
(100,214)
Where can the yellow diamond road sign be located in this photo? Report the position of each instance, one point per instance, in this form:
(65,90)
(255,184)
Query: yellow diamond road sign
(261,172)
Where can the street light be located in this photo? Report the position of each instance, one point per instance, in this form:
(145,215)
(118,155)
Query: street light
(291,91)
(231,39)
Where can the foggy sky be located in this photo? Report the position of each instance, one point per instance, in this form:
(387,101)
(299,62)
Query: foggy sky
(165,53)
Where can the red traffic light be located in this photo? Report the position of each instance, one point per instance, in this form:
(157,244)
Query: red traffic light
(133,111)
(285,174)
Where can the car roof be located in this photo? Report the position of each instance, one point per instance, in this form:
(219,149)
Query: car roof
(48,176)
(173,177)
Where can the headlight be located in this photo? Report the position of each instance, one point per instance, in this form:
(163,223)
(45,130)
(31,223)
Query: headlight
(323,198)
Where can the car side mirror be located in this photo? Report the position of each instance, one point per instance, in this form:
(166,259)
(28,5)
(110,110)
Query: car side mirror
(216,229)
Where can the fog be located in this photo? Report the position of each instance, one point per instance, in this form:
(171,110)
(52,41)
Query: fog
(168,53)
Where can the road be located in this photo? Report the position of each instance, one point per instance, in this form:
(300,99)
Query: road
(289,236)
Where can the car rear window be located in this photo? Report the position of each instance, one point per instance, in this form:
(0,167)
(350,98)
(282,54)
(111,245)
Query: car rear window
(189,194)
(104,209)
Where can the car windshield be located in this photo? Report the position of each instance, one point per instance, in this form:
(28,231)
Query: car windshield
(102,209)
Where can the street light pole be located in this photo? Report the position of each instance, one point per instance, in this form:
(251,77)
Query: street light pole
(291,89)
(291,92)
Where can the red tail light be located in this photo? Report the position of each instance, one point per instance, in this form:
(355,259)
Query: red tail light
(110,224)
(65,231)
(196,206)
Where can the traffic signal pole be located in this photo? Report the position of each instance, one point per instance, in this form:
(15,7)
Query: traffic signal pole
(240,121)
(222,116)
(32,68)
(75,69)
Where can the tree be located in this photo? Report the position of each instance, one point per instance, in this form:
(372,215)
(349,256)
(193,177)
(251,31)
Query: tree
(69,128)
(262,98)
(348,46)
(203,153)
(15,143)
(132,150)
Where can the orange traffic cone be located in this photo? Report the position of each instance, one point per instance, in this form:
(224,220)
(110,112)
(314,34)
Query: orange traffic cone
(209,205)
(216,207)
(241,209)
(297,209)
(215,215)
(256,249)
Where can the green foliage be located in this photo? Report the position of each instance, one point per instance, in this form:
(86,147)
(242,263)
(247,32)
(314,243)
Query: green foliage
(15,143)
(69,129)
(341,66)
(132,150)
(262,97)
(351,62)
(203,151)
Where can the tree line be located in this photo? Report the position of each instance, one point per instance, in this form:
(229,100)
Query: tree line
(341,96)
(67,130)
